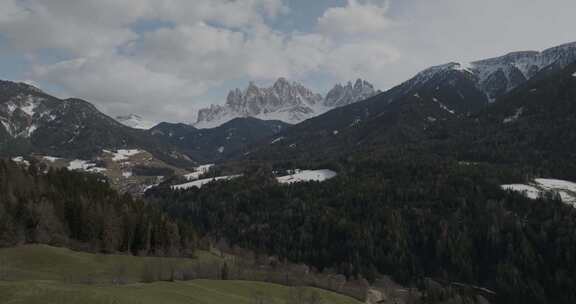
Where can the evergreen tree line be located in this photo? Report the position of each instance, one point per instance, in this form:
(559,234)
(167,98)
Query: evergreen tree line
(408,217)
(82,211)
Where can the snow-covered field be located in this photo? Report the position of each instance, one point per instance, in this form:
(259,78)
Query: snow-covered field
(123,154)
(566,189)
(82,165)
(20,160)
(198,171)
(530,191)
(51,158)
(307,176)
(202,182)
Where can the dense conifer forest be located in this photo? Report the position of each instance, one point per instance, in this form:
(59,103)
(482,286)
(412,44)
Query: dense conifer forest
(81,211)
(409,217)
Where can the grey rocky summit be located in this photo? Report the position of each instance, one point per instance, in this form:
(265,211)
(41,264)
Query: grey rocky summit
(344,95)
(286,101)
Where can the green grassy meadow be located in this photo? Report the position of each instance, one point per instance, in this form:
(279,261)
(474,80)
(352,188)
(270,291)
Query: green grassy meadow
(44,274)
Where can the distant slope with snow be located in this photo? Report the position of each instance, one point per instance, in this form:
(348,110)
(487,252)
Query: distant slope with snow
(135,121)
(307,176)
(202,182)
(566,189)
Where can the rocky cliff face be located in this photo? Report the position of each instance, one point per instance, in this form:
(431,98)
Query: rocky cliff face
(350,93)
(286,101)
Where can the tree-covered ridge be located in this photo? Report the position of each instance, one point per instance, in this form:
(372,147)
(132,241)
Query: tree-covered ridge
(81,211)
(408,217)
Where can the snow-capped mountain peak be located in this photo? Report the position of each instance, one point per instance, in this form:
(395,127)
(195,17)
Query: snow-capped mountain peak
(350,93)
(499,75)
(287,101)
(23,107)
(135,121)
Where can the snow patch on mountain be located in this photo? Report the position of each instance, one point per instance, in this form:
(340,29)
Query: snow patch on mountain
(135,121)
(499,75)
(276,140)
(21,114)
(443,106)
(514,117)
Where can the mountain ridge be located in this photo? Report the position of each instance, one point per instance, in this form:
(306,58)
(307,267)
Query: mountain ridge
(286,101)
(402,114)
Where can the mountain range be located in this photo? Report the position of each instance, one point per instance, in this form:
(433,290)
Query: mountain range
(36,122)
(290,102)
(415,186)
(354,117)
(452,92)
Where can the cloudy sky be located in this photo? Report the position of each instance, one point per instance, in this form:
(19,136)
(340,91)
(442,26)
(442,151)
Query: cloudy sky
(164,59)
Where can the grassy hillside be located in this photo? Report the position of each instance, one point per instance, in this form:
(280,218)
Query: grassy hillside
(41,262)
(43,274)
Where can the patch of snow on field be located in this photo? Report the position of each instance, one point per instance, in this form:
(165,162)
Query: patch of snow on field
(123,154)
(83,165)
(566,189)
(202,182)
(556,184)
(199,171)
(574,75)
(51,158)
(307,176)
(21,160)
(127,174)
(529,191)
(80,165)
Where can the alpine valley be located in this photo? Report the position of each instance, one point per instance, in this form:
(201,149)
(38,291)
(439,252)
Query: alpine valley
(456,186)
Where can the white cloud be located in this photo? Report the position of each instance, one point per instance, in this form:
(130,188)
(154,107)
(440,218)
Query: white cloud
(79,27)
(164,73)
(119,85)
(366,59)
(355,18)
(229,13)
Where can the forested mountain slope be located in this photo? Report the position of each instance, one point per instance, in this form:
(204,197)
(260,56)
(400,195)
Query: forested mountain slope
(81,211)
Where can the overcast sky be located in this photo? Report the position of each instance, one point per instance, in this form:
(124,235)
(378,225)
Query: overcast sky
(164,59)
